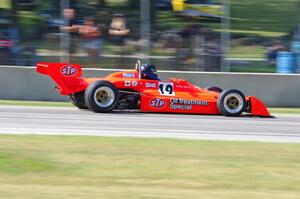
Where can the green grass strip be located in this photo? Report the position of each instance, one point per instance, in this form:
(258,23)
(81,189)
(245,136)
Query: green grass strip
(138,168)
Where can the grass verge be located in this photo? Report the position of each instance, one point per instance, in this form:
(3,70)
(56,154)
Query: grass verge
(285,110)
(90,167)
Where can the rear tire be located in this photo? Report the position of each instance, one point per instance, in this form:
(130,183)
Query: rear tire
(231,102)
(101,96)
(77,99)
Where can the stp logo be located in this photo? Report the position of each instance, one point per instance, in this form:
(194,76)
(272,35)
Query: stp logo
(68,70)
(157,103)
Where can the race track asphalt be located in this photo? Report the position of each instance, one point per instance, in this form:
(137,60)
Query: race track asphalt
(71,121)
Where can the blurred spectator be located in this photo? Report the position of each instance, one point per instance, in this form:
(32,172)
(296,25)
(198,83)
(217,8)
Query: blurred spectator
(169,39)
(10,51)
(91,34)
(118,30)
(6,46)
(276,47)
(16,49)
(193,28)
(71,26)
(195,44)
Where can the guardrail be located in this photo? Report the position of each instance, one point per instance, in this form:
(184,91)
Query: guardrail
(23,83)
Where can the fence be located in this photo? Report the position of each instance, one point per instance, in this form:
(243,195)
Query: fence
(23,83)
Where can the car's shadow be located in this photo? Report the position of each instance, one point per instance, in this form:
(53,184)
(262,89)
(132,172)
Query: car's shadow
(137,112)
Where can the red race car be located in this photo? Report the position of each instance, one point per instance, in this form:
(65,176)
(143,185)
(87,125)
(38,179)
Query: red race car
(141,89)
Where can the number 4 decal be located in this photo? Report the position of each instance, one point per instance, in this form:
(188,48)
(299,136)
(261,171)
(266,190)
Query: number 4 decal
(166,88)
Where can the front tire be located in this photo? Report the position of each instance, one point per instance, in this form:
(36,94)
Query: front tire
(101,96)
(231,102)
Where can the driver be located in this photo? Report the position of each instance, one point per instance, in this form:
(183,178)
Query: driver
(148,71)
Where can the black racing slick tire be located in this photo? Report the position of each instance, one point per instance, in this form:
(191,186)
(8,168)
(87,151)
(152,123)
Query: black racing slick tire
(77,99)
(231,102)
(214,89)
(101,96)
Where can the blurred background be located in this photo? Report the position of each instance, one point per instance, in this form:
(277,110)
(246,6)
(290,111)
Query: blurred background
(189,35)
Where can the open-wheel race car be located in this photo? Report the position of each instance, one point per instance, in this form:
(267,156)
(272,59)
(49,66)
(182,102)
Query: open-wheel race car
(140,89)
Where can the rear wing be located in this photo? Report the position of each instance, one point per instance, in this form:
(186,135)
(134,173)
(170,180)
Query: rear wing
(66,76)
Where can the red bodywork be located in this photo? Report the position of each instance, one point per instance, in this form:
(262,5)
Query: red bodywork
(170,96)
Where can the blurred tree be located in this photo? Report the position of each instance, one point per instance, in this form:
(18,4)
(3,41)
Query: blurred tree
(14,10)
(152,12)
(133,3)
(5,4)
(101,3)
(136,4)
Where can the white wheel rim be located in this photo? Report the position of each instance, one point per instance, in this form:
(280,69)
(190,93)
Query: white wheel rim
(233,103)
(104,97)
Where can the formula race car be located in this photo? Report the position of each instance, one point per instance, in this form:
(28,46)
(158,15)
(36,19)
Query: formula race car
(141,89)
